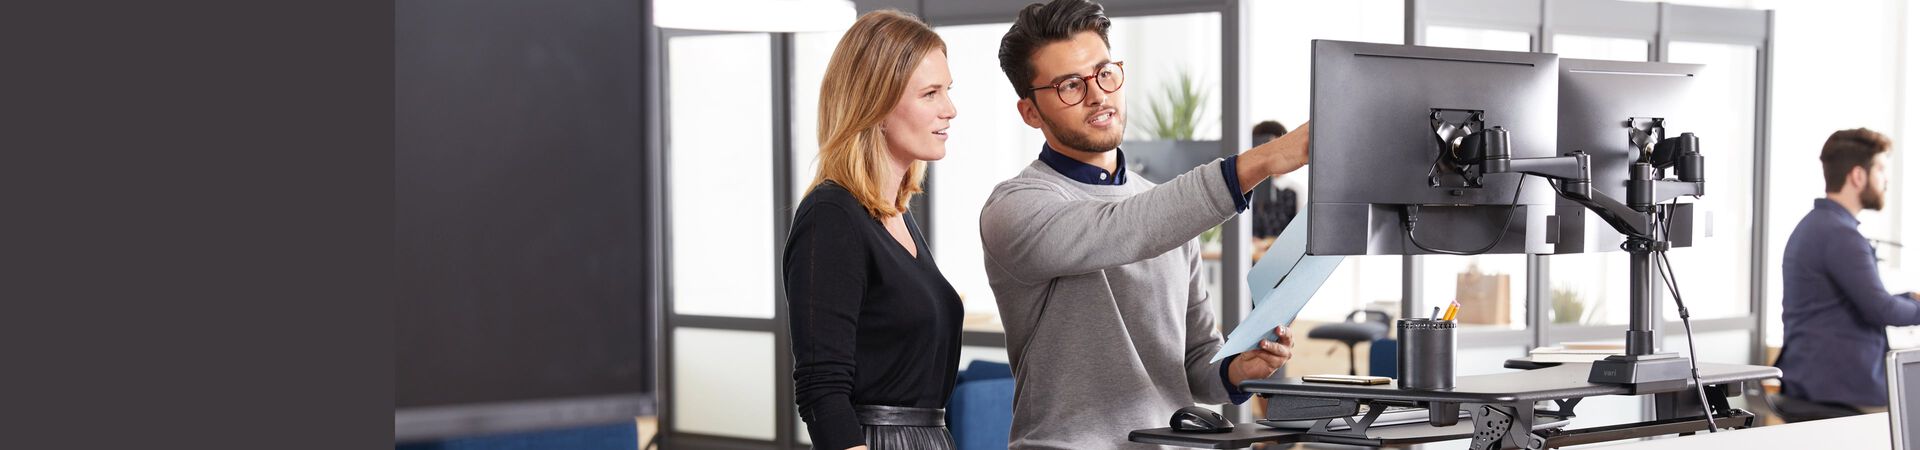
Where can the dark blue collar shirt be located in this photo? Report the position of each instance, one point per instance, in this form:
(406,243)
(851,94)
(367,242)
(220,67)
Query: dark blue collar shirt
(1082,172)
(1836,311)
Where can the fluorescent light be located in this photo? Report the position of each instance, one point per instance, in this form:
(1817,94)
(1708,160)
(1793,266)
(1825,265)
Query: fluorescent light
(773,16)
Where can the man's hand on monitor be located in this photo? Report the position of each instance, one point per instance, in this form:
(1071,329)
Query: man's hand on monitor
(1292,148)
(1261,362)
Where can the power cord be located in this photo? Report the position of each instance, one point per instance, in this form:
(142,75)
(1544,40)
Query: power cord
(1412,213)
(1673,287)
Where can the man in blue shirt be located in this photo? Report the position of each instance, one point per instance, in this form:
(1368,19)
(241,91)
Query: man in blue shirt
(1835,309)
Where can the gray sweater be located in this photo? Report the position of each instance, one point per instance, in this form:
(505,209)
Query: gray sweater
(1109,328)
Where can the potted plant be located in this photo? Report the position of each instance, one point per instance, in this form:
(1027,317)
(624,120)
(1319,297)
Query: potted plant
(1174,112)
(1163,143)
(1567,305)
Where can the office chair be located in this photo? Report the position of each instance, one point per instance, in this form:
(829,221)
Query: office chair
(1370,325)
(1796,410)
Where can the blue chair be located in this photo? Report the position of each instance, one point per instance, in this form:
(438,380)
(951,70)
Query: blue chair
(980,414)
(1382,358)
(618,436)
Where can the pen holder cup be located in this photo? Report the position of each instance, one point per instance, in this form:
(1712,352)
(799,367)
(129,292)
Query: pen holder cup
(1426,354)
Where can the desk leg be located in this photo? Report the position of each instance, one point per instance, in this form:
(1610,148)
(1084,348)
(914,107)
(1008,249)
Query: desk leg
(1502,427)
(1670,405)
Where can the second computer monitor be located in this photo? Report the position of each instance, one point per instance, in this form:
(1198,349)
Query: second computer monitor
(1385,120)
(1903,397)
(1612,110)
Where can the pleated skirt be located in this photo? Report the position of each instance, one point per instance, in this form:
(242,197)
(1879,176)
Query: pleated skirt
(903,428)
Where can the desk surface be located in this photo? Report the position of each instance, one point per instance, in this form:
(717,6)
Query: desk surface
(1867,431)
(1557,382)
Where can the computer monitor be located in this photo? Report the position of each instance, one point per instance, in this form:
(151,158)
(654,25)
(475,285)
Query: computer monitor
(1386,117)
(1903,397)
(1612,110)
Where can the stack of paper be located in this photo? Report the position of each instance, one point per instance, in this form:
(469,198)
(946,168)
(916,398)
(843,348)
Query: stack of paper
(1576,352)
(1567,355)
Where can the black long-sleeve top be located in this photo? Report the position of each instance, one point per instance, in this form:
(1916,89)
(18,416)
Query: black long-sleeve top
(871,323)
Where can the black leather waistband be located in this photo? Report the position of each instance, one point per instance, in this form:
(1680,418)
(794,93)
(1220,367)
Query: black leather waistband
(900,416)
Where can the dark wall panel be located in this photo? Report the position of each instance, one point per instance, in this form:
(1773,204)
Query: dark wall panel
(518,201)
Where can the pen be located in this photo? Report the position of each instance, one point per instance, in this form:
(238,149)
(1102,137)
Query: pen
(1436,314)
(1451,310)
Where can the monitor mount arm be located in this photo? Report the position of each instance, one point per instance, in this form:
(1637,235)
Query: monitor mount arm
(1574,180)
(1639,367)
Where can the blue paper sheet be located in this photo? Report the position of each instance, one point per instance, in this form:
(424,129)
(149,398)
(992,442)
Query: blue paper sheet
(1280,284)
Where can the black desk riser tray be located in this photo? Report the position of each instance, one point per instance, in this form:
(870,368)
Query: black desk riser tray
(1551,383)
(1247,434)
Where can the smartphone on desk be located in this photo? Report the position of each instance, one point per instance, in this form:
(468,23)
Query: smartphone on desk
(1346,379)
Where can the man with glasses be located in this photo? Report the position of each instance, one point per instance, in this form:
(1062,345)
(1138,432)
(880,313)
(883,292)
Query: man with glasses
(1834,308)
(1096,270)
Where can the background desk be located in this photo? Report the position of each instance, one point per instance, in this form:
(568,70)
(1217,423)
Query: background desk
(1867,431)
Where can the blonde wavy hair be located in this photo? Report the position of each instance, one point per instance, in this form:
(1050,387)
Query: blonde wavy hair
(869,71)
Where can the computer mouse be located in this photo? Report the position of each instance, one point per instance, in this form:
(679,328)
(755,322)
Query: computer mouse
(1199,420)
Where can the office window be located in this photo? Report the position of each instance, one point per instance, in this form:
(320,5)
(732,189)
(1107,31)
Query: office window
(724,396)
(1715,275)
(987,143)
(1280,66)
(1600,47)
(719,167)
(1592,288)
(1360,283)
(811,51)
(1477,38)
(1280,58)
(1157,50)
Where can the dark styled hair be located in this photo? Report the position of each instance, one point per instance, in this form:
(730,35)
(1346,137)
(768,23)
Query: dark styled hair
(1039,25)
(1847,149)
(1272,129)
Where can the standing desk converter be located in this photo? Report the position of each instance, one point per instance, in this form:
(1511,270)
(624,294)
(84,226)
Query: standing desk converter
(1498,403)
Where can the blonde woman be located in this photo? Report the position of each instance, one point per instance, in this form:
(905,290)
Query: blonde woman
(876,328)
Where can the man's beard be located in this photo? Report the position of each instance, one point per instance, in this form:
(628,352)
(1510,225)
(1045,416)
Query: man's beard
(1085,142)
(1872,199)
